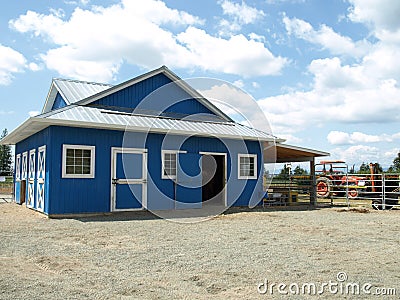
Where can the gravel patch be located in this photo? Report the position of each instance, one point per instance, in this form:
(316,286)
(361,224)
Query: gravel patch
(139,256)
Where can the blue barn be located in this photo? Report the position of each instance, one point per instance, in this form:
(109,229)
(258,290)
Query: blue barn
(152,142)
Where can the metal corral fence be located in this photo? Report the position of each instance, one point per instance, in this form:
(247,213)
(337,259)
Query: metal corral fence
(295,189)
(335,182)
(381,190)
(6,188)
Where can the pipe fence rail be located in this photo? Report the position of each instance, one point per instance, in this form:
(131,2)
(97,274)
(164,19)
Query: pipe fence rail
(6,189)
(380,190)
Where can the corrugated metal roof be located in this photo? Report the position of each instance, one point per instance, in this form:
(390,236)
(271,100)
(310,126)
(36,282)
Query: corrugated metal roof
(74,90)
(102,118)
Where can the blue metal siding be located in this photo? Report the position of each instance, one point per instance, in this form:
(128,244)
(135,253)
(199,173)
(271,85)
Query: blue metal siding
(71,195)
(59,102)
(76,195)
(170,98)
(251,189)
(42,138)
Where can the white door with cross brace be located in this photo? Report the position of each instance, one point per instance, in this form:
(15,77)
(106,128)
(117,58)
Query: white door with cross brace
(31,179)
(41,176)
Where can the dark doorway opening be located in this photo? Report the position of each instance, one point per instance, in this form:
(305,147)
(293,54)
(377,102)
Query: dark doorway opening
(213,179)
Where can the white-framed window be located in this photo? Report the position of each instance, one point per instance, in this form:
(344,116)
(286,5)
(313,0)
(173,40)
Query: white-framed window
(78,161)
(247,166)
(18,167)
(169,160)
(24,172)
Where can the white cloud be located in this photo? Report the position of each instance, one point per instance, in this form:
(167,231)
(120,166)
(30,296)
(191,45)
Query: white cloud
(326,37)
(154,44)
(34,67)
(297,111)
(330,74)
(11,62)
(358,154)
(359,93)
(338,138)
(236,55)
(290,138)
(366,92)
(240,14)
(239,105)
(255,85)
(81,2)
(344,138)
(380,14)
(392,154)
(239,83)
(256,37)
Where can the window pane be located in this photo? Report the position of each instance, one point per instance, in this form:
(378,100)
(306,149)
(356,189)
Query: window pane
(86,153)
(86,170)
(86,161)
(78,169)
(78,152)
(70,152)
(70,160)
(78,161)
(70,170)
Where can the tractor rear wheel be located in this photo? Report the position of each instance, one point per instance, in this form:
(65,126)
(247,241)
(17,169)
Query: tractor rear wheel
(352,193)
(323,187)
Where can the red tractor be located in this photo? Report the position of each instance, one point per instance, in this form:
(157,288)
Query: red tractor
(333,181)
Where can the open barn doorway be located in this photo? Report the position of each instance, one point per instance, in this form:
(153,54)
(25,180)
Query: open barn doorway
(214,178)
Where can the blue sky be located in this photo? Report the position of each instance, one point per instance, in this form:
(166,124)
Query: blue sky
(325,73)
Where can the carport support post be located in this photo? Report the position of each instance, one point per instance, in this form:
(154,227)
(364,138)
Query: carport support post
(313,192)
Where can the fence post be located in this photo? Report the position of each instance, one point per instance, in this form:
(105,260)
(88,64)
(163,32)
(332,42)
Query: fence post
(383,192)
(347,187)
(313,192)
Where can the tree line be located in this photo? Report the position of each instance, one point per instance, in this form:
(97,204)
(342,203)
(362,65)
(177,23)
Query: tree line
(6,162)
(364,168)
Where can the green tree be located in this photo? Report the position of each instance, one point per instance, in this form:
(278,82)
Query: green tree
(5,157)
(364,169)
(395,167)
(299,171)
(378,168)
(284,174)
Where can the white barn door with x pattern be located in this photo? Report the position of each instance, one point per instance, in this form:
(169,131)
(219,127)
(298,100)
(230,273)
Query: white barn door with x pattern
(41,175)
(31,179)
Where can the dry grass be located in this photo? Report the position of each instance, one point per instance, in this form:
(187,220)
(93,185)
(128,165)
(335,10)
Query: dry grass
(138,256)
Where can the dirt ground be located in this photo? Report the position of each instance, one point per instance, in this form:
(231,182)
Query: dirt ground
(138,256)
